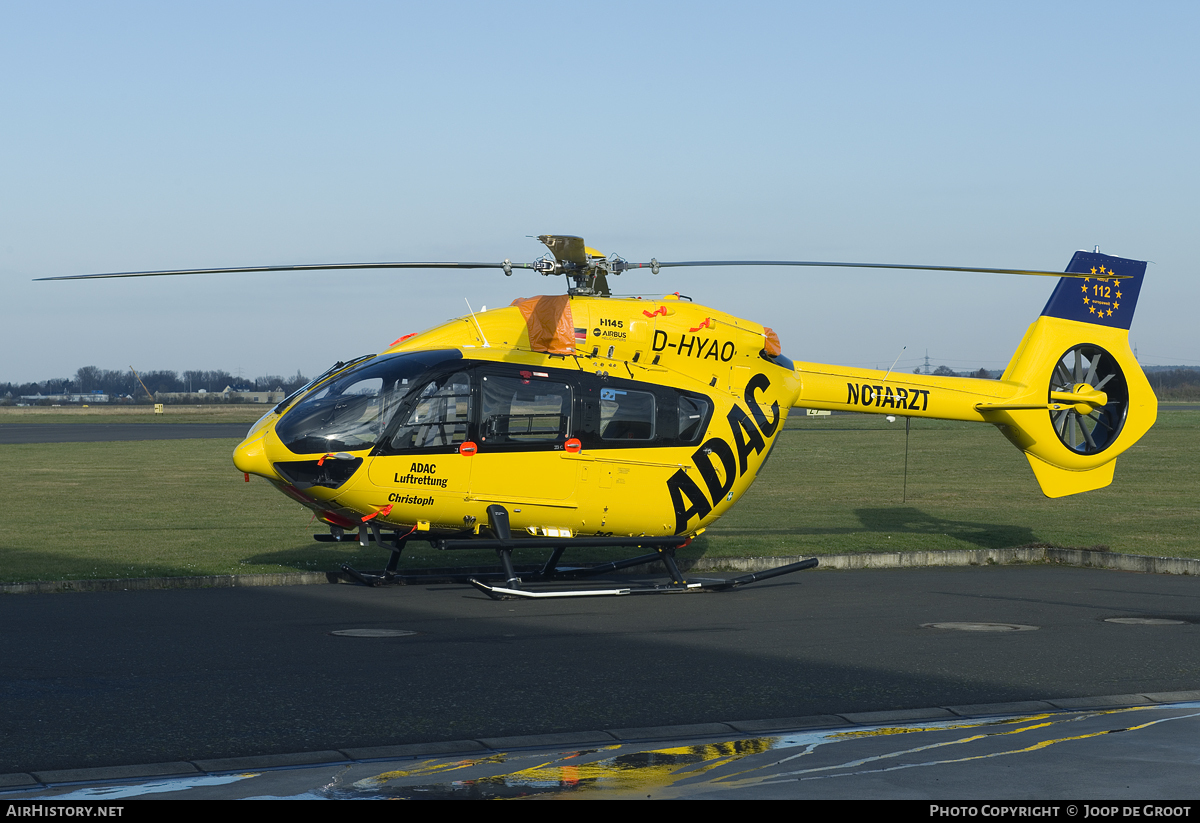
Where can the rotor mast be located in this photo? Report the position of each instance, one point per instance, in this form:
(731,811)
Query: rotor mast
(587,268)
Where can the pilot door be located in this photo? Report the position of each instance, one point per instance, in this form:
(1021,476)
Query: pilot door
(420,466)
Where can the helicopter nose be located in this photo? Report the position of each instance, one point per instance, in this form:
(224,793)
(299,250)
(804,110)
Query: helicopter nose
(251,457)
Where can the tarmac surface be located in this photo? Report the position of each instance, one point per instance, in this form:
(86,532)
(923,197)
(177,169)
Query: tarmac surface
(200,676)
(1029,760)
(1036,682)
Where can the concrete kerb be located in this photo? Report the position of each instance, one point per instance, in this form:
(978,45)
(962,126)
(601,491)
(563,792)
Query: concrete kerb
(483,747)
(1083,558)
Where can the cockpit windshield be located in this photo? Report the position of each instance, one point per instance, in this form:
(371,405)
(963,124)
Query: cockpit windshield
(336,367)
(350,412)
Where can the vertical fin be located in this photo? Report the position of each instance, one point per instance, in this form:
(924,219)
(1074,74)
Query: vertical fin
(1101,300)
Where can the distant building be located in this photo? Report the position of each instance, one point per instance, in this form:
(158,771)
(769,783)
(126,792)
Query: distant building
(229,395)
(95,397)
(249,396)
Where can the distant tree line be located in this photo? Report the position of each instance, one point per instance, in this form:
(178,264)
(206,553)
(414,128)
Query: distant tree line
(1175,383)
(120,383)
(946,371)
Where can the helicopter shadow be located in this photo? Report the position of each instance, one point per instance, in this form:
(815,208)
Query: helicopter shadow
(889,520)
(909,520)
(417,557)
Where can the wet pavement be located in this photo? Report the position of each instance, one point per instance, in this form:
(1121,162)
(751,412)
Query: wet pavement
(1133,753)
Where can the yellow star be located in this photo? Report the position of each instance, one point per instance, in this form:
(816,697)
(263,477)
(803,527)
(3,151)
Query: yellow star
(1086,301)
(1110,312)
(1102,269)
(1093,269)
(1084,289)
(1092,310)
(1118,295)
(1117,305)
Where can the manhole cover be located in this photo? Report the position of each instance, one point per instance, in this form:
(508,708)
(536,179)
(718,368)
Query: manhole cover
(372,633)
(980,627)
(1145,621)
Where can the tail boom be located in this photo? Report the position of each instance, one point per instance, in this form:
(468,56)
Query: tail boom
(1072,399)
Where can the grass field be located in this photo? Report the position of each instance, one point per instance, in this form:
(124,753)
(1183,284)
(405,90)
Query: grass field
(833,485)
(836,485)
(216,413)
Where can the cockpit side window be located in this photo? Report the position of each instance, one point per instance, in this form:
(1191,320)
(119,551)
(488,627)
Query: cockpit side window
(439,415)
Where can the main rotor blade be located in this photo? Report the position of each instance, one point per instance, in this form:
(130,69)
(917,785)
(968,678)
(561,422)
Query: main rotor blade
(309,267)
(621,266)
(816,264)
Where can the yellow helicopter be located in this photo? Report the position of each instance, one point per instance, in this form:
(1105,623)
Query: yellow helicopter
(584,419)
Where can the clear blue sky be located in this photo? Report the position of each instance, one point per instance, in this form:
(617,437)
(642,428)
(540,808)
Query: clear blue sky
(157,135)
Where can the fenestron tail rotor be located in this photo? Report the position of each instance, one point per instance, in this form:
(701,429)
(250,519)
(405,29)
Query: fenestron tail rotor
(1091,376)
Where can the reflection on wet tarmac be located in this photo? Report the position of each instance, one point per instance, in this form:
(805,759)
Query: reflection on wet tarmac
(1035,754)
(616,771)
(128,790)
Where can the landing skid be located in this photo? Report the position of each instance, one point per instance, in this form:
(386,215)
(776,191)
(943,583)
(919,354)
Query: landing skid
(512,586)
(682,587)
